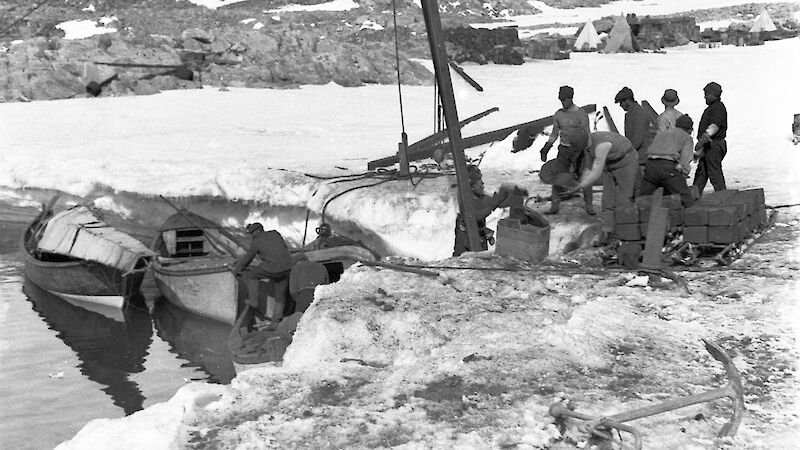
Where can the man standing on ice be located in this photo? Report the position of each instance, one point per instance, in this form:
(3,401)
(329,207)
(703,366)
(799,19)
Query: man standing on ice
(276,263)
(711,146)
(637,126)
(666,120)
(614,158)
(568,160)
(483,206)
(668,160)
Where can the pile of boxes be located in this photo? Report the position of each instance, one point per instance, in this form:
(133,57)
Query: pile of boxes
(721,217)
(631,222)
(717,219)
(724,217)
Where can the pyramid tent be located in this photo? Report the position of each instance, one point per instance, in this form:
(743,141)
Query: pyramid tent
(588,38)
(763,23)
(620,38)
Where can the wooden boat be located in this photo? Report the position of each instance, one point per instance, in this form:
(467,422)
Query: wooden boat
(78,257)
(192,268)
(194,256)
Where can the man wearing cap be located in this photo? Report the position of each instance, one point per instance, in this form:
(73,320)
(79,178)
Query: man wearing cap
(668,160)
(614,158)
(276,263)
(711,147)
(666,120)
(483,205)
(637,126)
(568,159)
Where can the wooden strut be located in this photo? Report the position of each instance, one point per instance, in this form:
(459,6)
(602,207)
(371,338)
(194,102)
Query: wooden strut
(609,120)
(466,77)
(425,148)
(433,25)
(426,142)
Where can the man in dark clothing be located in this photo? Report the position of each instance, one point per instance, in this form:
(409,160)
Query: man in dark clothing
(668,160)
(483,206)
(637,126)
(711,146)
(276,263)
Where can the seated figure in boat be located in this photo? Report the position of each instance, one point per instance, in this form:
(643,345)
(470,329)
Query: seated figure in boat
(276,263)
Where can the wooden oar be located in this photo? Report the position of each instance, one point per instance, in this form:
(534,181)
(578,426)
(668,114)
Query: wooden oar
(225,248)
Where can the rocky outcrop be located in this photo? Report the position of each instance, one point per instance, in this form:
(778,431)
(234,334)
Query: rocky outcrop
(285,56)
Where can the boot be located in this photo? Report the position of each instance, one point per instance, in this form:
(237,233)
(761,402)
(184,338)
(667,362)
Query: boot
(587,200)
(555,201)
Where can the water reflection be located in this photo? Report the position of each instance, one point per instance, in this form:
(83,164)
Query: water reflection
(109,350)
(200,340)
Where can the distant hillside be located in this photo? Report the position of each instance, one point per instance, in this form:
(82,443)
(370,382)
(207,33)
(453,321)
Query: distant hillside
(241,44)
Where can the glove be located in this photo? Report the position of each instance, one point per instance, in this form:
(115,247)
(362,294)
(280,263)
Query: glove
(545,150)
(704,139)
(699,151)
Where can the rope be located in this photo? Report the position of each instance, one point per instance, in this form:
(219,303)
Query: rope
(397,60)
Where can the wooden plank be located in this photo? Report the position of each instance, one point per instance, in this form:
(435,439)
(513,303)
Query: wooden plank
(426,151)
(466,77)
(609,120)
(653,115)
(428,141)
(656,231)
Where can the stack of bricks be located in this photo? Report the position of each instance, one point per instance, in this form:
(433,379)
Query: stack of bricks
(724,217)
(630,222)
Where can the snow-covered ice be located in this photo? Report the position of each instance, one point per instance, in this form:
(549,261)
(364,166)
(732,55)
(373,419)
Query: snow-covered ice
(471,359)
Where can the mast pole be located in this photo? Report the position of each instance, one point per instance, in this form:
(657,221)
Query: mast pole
(433,24)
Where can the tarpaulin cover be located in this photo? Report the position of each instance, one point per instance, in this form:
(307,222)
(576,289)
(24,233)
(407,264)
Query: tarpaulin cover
(79,233)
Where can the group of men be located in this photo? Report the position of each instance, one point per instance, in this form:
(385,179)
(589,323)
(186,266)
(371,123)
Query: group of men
(636,163)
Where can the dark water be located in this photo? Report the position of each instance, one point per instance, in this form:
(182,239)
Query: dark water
(62,365)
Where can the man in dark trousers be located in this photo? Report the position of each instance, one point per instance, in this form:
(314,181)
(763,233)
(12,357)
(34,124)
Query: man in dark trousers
(668,161)
(483,206)
(711,146)
(568,160)
(276,263)
(637,126)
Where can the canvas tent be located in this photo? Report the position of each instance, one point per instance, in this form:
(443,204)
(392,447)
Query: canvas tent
(763,23)
(620,38)
(588,38)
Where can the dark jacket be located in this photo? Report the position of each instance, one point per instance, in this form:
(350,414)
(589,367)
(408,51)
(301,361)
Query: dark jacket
(715,113)
(270,247)
(637,130)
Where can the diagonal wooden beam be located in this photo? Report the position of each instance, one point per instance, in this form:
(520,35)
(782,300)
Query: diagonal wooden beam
(421,151)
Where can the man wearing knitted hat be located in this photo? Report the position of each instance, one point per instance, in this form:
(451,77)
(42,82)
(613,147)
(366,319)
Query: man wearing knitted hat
(569,159)
(711,147)
(666,120)
(668,160)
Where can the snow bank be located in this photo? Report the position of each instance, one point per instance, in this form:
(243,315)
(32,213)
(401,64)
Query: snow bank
(156,427)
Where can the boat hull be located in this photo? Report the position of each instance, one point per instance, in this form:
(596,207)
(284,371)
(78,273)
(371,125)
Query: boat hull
(83,281)
(203,286)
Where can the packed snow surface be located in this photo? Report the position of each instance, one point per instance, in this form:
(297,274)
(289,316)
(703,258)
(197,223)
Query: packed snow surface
(472,358)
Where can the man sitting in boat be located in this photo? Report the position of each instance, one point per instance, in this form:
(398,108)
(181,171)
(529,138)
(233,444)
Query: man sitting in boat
(276,263)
